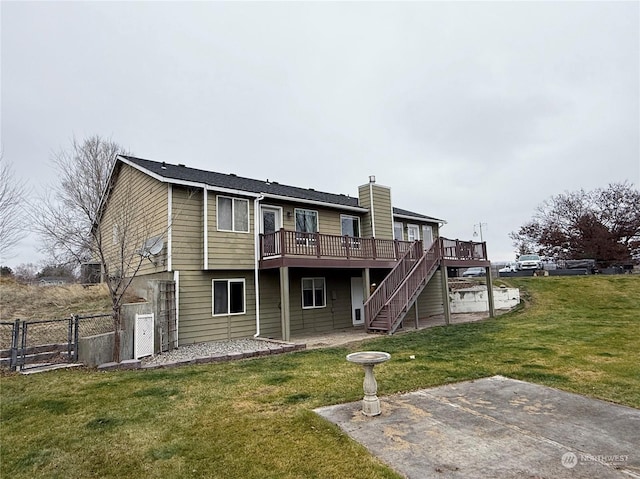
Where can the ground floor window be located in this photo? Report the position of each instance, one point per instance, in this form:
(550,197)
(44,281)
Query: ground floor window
(313,293)
(228,296)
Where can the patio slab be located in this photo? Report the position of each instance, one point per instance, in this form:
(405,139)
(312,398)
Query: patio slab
(497,427)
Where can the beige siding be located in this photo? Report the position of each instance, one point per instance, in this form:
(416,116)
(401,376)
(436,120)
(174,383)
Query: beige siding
(328,218)
(382,212)
(197,323)
(187,231)
(365,201)
(380,217)
(137,209)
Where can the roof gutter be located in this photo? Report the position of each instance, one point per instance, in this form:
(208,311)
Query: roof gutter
(256,258)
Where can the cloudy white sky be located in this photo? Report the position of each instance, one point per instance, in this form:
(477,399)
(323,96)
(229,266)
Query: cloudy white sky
(474,112)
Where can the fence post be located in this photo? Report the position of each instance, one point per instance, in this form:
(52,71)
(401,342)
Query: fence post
(76,334)
(69,337)
(15,333)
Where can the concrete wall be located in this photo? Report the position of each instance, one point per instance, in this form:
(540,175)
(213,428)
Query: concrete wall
(475,300)
(98,349)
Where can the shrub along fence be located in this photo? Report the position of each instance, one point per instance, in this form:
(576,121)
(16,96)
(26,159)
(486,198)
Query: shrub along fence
(29,343)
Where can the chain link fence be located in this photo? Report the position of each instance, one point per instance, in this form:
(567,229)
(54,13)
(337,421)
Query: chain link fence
(32,342)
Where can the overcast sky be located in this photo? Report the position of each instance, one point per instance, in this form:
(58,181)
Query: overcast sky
(474,112)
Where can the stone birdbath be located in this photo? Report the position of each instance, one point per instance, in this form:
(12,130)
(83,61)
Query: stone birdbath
(368,359)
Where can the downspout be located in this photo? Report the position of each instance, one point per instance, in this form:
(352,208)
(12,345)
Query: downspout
(256,258)
(205,233)
(169,227)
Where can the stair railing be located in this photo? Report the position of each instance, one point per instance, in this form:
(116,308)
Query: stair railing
(399,302)
(387,287)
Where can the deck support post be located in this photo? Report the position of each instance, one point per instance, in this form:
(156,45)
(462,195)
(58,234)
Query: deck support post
(366,283)
(445,294)
(285,317)
(492,310)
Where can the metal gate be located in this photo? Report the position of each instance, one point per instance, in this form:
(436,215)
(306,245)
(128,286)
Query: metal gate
(30,343)
(168,327)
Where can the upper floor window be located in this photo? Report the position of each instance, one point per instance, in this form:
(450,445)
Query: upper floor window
(306,221)
(397,231)
(233,214)
(413,233)
(427,236)
(350,226)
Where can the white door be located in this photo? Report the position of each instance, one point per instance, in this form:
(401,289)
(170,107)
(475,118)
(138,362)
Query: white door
(143,336)
(269,225)
(357,302)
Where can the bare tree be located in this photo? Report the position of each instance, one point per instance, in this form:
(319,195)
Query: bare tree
(67,219)
(97,214)
(11,214)
(65,214)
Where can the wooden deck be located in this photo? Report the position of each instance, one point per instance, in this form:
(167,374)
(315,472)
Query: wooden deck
(296,249)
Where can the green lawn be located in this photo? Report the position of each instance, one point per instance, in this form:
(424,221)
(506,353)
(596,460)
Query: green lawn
(254,419)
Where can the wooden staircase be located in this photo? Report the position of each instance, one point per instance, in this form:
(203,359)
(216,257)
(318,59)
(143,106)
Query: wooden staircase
(391,301)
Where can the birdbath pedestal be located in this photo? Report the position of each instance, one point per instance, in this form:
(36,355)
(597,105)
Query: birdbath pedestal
(368,359)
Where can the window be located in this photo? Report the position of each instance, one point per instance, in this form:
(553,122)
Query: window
(427,236)
(413,233)
(233,214)
(228,296)
(350,226)
(306,225)
(306,221)
(397,231)
(313,293)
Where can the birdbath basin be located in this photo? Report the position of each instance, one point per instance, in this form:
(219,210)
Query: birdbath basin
(368,359)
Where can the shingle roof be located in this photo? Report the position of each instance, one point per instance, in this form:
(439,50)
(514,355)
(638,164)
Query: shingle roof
(401,212)
(234,182)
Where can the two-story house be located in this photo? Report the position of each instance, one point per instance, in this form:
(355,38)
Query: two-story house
(254,257)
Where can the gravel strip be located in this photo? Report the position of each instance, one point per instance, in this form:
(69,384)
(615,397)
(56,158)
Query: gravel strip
(204,350)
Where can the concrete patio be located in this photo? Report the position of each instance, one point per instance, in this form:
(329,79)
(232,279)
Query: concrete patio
(496,427)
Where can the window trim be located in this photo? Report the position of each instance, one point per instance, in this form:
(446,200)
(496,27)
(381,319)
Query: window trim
(233,214)
(295,222)
(401,225)
(229,281)
(313,286)
(351,217)
(416,228)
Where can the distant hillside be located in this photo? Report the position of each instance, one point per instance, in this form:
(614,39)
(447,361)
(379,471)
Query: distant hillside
(20,301)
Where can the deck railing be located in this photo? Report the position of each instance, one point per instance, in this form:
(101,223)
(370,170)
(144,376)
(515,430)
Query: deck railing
(385,289)
(462,250)
(294,243)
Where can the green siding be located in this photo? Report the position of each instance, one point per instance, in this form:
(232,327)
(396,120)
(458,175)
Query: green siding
(270,317)
(197,323)
(138,205)
(337,312)
(430,300)
(187,228)
(227,249)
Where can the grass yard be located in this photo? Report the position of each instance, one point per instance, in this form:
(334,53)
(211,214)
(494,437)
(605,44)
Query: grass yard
(254,419)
